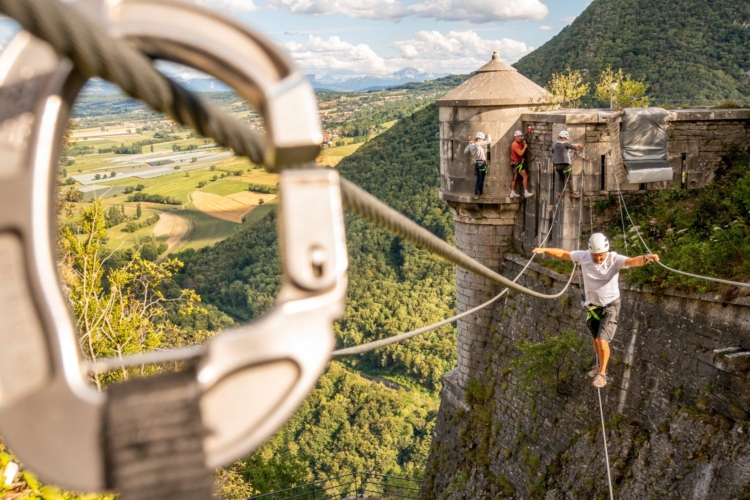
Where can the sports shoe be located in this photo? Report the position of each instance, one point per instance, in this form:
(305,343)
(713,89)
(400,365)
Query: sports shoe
(600,380)
(592,373)
(514,195)
(475,197)
(527,194)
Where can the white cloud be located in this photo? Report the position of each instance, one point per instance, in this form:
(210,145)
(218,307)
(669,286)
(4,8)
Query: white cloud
(458,51)
(229,5)
(476,11)
(338,56)
(481,11)
(429,51)
(546,28)
(358,9)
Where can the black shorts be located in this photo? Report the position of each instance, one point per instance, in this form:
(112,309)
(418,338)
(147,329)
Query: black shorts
(518,166)
(602,321)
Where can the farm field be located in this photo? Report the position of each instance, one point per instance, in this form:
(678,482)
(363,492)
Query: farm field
(220,207)
(149,154)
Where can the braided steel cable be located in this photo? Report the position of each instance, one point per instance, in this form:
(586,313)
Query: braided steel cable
(676,271)
(95,53)
(370,346)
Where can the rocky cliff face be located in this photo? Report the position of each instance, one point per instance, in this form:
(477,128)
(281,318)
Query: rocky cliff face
(676,408)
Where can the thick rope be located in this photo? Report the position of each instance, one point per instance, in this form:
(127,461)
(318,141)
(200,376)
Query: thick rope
(97,54)
(363,348)
(606,453)
(690,275)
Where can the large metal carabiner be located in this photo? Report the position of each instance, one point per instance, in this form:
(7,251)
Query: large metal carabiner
(252,377)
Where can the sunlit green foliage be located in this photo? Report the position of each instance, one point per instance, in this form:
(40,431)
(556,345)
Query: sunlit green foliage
(549,365)
(567,89)
(621,91)
(393,286)
(347,424)
(683,50)
(704,232)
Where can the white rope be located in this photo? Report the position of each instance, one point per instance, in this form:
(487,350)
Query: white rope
(606,453)
(638,233)
(362,348)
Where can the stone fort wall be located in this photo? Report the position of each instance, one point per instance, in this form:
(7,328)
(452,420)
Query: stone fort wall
(677,405)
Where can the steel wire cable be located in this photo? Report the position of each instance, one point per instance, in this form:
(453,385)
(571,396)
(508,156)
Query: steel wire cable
(363,348)
(95,53)
(645,245)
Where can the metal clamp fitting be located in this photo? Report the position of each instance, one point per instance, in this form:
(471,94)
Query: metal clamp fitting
(254,376)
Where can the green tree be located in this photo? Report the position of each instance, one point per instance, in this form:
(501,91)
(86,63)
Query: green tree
(567,89)
(118,311)
(621,91)
(138,211)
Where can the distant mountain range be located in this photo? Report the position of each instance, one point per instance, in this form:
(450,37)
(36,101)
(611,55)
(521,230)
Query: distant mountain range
(342,84)
(685,50)
(372,82)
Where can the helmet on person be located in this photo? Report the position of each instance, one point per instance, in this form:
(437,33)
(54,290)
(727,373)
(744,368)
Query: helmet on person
(598,243)
(479,135)
(517,133)
(564,134)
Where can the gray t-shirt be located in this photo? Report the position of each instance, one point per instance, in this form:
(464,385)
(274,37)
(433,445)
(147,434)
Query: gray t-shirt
(477,149)
(600,280)
(560,152)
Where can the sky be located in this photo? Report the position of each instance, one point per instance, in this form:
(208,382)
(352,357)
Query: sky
(345,38)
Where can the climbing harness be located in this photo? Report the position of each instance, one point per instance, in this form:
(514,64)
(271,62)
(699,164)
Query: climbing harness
(645,245)
(157,437)
(518,168)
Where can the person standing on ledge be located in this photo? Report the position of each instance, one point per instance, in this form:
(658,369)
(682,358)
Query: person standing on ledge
(561,158)
(601,271)
(476,148)
(517,151)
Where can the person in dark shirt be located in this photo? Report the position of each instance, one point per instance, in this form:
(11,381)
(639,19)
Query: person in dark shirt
(517,151)
(561,159)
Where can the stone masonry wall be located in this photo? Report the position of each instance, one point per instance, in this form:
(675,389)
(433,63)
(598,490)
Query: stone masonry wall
(487,243)
(677,405)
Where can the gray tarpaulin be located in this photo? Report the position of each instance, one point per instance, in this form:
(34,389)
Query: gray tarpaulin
(643,139)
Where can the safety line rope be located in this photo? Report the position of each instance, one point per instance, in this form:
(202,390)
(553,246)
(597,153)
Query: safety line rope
(95,53)
(690,275)
(360,349)
(606,453)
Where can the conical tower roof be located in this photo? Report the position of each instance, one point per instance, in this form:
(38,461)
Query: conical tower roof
(495,84)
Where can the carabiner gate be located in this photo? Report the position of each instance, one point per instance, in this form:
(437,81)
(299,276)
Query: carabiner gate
(252,377)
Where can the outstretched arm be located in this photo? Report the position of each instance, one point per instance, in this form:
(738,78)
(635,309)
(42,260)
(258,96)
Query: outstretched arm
(641,260)
(553,252)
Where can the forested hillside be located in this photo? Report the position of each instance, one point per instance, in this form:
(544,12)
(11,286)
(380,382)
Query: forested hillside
(393,287)
(685,50)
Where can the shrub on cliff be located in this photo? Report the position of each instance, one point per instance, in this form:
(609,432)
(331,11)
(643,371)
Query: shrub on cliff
(706,231)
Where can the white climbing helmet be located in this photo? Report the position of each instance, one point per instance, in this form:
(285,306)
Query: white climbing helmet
(479,135)
(598,243)
(564,134)
(517,133)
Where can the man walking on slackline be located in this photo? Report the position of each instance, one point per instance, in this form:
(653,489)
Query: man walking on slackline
(476,148)
(601,271)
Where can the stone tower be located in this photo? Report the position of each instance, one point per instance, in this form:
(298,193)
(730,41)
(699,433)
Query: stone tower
(491,101)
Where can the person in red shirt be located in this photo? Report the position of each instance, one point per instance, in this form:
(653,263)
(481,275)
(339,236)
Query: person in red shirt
(517,152)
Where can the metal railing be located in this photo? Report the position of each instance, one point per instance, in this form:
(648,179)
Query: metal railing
(353,485)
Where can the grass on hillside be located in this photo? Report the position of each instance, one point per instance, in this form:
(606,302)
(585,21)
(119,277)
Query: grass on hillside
(210,230)
(224,187)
